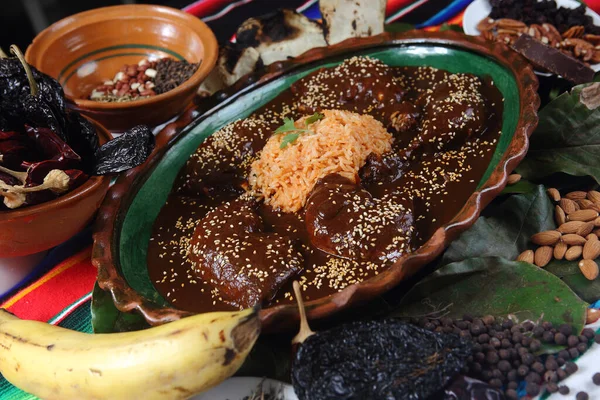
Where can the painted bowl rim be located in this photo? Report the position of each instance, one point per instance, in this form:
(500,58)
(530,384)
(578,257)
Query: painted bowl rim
(128,11)
(113,210)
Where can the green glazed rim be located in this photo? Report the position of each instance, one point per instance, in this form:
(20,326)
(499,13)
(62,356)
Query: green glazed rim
(126,218)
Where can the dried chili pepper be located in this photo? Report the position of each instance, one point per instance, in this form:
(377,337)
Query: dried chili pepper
(127,151)
(465,388)
(376,360)
(83,139)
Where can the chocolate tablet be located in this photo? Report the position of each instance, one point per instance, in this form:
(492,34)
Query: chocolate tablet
(553,60)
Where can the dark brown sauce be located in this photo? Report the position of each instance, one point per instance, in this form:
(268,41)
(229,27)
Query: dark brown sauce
(439,180)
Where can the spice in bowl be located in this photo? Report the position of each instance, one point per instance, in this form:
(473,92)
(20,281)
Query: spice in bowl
(143,80)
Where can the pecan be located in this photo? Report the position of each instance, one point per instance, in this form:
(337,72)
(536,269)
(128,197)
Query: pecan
(535,31)
(551,33)
(574,32)
(593,39)
(488,35)
(486,24)
(506,38)
(512,24)
(573,42)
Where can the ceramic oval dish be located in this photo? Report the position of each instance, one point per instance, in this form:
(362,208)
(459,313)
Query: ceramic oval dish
(126,218)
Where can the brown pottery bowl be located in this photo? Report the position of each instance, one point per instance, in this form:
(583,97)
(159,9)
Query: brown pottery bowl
(84,50)
(127,215)
(40,227)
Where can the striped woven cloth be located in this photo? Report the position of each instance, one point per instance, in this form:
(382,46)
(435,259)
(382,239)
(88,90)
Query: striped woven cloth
(62,295)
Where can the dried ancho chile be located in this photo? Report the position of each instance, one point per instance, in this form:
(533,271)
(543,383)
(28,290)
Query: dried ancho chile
(376,360)
(45,150)
(127,151)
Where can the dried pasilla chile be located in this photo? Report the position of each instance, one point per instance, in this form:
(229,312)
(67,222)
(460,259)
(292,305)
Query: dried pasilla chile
(55,154)
(83,139)
(127,151)
(14,148)
(387,359)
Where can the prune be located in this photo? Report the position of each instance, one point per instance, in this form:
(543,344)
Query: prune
(377,360)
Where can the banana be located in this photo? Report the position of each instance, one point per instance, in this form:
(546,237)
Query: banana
(172,361)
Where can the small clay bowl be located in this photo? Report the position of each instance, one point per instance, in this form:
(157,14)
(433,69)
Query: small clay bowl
(84,50)
(40,227)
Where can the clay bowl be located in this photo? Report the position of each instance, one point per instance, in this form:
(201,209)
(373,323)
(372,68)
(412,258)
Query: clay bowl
(86,49)
(37,228)
(128,213)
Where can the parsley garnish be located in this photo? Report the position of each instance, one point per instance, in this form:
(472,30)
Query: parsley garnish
(293,133)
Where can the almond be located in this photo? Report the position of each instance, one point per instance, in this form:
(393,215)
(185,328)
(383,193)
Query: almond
(570,227)
(583,215)
(547,238)
(586,204)
(589,269)
(573,253)
(559,215)
(554,194)
(596,232)
(568,206)
(597,222)
(559,250)
(542,256)
(573,240)
(591,250)
(591,236)
(594,196)
(585,229)
(513,178)
(577,195)
(526,256)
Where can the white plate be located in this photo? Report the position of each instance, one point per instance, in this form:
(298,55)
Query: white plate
(479,9)
(238,388)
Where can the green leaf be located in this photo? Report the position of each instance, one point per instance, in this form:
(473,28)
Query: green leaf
(567,140)
(399,27)
(498,287)
(520,187)
(288,139)
(313,118)
(569,272)
(451,27)
(288,126)
(107,319)
(506,228)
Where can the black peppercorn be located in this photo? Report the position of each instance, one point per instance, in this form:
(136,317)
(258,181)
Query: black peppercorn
(564,354)
(551,364)
(548,337)
(550,376)
(560,361)
(535,345)
(571,367)
(526,341)
(583,339)
(504,366)
(564,390)
(528,325)
(507,324)
(512,375)
(588,333)
(495,342)
(512,394)
(475,329)
(523,370)
(582,396)
(513,385)
(496,373)
(504,354)
(565,329)
(538,331)
(561,373)
(484,338)
(506,344)
(488,319)
(533,377)
(552,387)
(596,378)
(582,347)
(572,341)
(547,325)
(597,338)
(486,374)
(560,339)
(517,337)
(527,358)
(492,357)
(476,347)
(532,389)
(476,367)
(574,353)
(538,367)
(467,317)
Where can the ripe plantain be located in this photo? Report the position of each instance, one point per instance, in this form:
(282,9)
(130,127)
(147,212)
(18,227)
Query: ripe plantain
(172,361)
